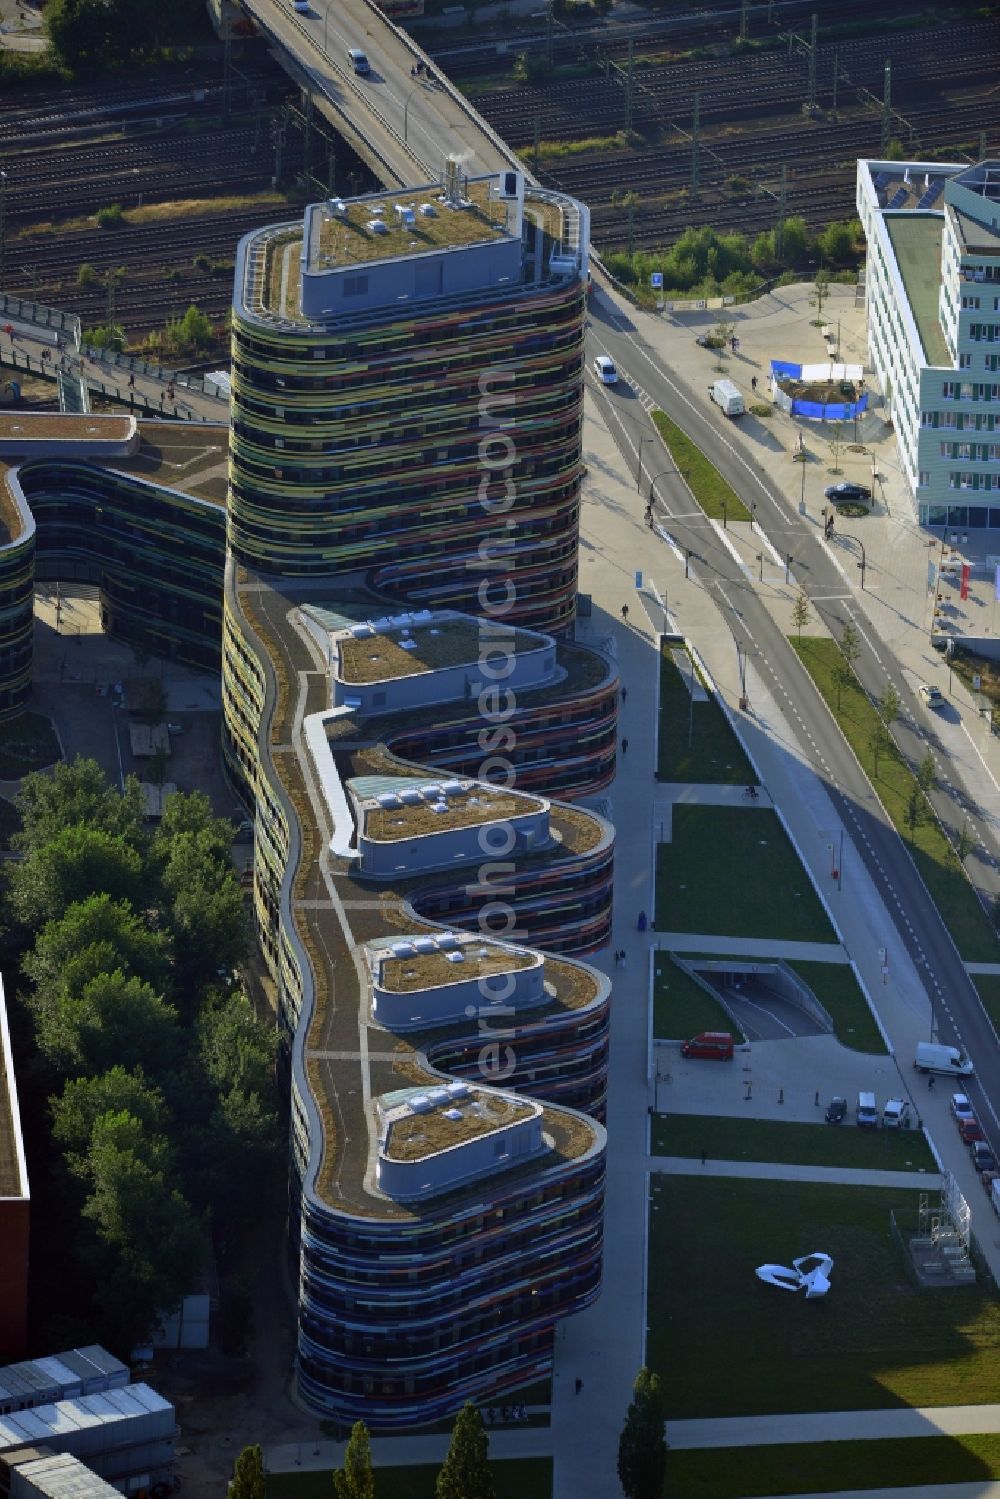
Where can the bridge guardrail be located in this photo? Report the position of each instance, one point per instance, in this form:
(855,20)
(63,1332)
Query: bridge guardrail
(347,82)
(12,359)
(41,315)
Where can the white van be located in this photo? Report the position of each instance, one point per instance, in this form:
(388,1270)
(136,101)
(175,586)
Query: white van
(727,397)
(896,1114)
(931,1057)
(866,1114)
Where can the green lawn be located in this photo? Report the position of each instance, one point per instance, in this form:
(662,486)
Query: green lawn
(837,990)
(714,753)
(828,1467)
(727,1345)
(934,856)
(732,871)
(988,985)
(714,494)
(515,1478)
(682,1008)
(819,1144)
(28,743)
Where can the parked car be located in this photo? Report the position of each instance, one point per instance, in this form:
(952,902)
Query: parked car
(970,1130)
(961,1107)
(982,1156)
(836,1111)
(847,491)
(605,370)
(988,1178)
(932,696)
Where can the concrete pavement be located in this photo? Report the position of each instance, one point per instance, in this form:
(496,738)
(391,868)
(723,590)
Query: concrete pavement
(837,1426)
(845,1176)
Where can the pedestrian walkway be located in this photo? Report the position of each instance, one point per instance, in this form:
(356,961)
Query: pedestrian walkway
(837,1426)
(752,947)
(982,967)
(845,1176)
(47,352)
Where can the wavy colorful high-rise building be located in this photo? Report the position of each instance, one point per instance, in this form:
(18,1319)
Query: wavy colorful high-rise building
(402,702)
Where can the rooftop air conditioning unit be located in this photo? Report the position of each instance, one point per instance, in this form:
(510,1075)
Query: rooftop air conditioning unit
(378,226)
(428,210)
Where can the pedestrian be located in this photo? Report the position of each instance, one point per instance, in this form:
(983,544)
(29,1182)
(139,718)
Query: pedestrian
(131,382)
(624,695)
(931,1081)
(753,382)
(748,1092)
(816,1099)
(781,1095)
(732,343)
(703,1155)
(624,746)
(579,1385)
(641,923)
(625,613)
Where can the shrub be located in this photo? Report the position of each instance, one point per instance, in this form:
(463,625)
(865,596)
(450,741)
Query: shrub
(761,408)
(86,275)
(530,67)
(111,217)
(202,262)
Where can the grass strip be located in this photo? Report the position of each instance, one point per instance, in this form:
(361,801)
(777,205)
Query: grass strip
(725,1344)
(682,1008)
(793,1144)
(731,871)
(988,985)
(838,991)
(714,494)
(933,855)
(714,753)
(514,1478)
(831,1467)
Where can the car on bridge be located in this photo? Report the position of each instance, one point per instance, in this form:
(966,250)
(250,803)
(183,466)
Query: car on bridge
(358,61)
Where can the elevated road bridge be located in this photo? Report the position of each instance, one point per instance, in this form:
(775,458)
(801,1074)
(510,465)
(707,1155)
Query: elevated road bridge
(401,124)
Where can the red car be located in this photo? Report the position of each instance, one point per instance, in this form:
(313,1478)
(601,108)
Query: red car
(970,1129)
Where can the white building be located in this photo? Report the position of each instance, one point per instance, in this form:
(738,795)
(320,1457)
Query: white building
(933,311)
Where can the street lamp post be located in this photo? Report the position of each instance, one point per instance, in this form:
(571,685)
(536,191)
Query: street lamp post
(652,481)
(326,18)
(406,136)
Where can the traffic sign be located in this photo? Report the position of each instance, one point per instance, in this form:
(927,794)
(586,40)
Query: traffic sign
(656,278)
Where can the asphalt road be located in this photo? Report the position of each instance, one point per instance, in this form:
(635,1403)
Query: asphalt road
(959,1016)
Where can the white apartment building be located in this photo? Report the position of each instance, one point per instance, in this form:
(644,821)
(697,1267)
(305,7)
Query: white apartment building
(932,301)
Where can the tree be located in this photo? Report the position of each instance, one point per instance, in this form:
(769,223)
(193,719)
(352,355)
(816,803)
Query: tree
(248,1480)
(888,705)
(141,1238)
(86,1100)
(356,1479)
(850,643)
(836,243)
(965,842)
(191,812)
(794,239)
(97,935)
(820,292)
(465,1473)
(73,865)
(204,908)
(78,795)
(836,443)
(642,1448)
(112,1020)
(879,741)
(913,816)
(926,773)
(800,611)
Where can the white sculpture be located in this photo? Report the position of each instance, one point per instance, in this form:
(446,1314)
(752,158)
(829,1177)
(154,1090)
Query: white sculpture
(815,1281)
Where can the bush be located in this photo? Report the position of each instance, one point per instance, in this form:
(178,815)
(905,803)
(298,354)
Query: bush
(530,67)
(111,217)
(761,408)
(202,262)
(86,275)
